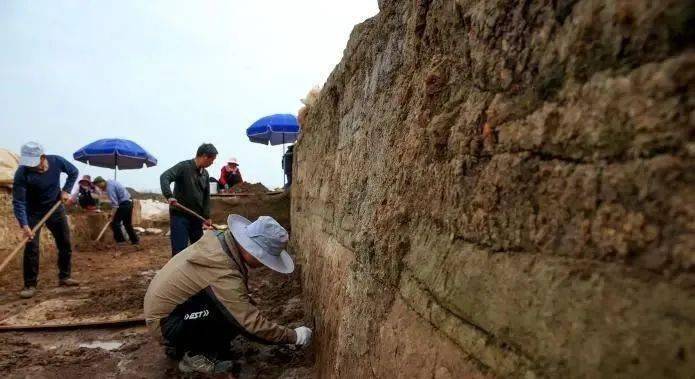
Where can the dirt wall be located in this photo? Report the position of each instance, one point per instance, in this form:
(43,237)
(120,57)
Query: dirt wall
(10,234)
(84,227)
(504,188)
(252,206)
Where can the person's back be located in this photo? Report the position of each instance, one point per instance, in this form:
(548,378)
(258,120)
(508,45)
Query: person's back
(122,206)
(198,302)
(186,273)
(287,165)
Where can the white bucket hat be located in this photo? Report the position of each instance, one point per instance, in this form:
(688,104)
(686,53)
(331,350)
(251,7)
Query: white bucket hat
(233,160)
(30,154)
(265,239)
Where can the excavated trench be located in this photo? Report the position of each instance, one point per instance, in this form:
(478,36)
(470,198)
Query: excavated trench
(114,281)
(503,188)
(482,189)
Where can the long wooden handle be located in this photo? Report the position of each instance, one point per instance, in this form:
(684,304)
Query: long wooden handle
(192,213)
(103,230)
(77,325)
(25,240)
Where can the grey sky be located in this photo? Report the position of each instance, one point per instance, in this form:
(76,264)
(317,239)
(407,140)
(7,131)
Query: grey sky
(166,74)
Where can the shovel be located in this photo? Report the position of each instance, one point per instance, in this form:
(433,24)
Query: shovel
(103,230)
(26,239)
(192,213)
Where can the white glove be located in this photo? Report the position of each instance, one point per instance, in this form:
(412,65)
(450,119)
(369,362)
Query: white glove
(303,336)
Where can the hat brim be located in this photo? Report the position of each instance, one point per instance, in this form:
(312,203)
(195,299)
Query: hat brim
(237,226)
(29,161)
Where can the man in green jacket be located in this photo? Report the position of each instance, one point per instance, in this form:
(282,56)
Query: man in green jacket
(198,302)
(192,190)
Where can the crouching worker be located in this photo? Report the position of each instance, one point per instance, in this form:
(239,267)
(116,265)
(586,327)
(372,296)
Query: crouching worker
(198,302)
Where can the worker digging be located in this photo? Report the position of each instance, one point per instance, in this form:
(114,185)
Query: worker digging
(122,205)
(191,190)
(36,195)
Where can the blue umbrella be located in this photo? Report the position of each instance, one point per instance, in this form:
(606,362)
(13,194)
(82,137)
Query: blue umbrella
(115,153)
(276,129)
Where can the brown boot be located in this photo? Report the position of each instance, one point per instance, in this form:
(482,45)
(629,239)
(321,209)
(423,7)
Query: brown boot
(68,282)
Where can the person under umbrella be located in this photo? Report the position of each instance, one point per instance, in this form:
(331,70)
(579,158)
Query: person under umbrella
(274,130)
(122,209)
(36,190)
(85,194)
(287,165)
(230,174)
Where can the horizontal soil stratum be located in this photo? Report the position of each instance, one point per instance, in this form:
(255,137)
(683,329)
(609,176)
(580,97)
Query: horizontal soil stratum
(504,189)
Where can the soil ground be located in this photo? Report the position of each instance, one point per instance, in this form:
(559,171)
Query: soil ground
(114,280)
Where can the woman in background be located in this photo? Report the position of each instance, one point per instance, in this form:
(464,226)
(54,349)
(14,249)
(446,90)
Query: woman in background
(230,175)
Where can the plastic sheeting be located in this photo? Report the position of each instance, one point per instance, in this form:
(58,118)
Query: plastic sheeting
(9,162)
(152,210)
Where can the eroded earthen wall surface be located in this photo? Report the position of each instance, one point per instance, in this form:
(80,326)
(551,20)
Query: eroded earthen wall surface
(504,188)
(251,207)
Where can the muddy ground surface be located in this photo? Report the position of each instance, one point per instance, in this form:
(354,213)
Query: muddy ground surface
(114,280)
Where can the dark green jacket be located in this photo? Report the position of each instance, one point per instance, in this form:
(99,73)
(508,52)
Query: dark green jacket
(191,187)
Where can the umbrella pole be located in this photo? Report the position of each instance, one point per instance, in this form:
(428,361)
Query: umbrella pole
(115,169)
(284,184)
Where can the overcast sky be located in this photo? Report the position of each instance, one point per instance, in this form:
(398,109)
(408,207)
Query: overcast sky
(167,74)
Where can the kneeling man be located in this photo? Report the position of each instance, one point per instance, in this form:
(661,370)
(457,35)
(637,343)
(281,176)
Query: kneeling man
(198,302)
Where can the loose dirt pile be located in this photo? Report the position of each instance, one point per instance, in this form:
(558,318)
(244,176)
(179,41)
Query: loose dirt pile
(250,188)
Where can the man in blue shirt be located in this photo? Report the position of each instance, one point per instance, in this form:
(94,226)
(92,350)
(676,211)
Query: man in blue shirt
(123,209)
(36,189)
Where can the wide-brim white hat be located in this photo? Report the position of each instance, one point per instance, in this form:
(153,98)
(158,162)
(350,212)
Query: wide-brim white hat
(262,245)
(233,160)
